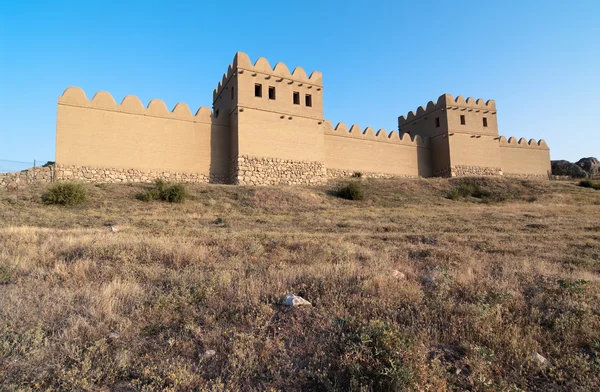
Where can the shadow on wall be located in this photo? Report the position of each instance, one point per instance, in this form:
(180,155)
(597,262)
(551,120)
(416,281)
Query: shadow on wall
(220,159)
(424,156)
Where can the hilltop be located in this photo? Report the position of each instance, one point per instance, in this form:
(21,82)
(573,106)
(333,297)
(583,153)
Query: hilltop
(410,289)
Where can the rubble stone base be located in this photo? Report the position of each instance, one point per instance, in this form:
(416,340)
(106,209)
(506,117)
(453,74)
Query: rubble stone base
(337,173)
(466,171)
(105,175)
(273,171)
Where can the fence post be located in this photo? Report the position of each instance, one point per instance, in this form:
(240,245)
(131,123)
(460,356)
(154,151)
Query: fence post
(34,174)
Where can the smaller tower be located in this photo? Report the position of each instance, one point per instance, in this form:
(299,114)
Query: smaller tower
(463,135)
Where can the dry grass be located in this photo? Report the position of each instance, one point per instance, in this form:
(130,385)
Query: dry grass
(488,281)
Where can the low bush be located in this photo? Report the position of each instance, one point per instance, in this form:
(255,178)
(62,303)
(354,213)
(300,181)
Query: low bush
(351,191)
(357,175)
(466,189)
(589,184)
(67,194)
(175,193)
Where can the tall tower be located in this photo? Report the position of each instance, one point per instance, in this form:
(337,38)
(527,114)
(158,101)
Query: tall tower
(463,135)
(274,116)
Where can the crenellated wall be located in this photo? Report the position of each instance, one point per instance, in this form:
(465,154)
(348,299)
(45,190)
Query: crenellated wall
(256,139)
(102,133)
(355,150)
(524,158)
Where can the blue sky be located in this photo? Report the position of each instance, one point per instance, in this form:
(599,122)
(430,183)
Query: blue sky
(540,60)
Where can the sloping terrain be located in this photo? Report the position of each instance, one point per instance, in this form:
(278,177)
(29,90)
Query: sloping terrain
(410,290)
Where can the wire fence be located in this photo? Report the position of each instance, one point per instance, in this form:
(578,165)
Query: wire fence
(9,166)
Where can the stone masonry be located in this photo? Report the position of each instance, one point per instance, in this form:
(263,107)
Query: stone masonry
(467,171)
(25,177)
(273,171)
(334,173)
(106,175)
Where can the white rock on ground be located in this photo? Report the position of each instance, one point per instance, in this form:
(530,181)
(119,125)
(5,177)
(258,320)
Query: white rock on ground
(539,359)
(398,275)
(209,353)
(293,300)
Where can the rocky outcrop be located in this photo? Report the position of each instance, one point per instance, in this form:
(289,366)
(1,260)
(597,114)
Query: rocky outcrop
(590,165)
(566,168)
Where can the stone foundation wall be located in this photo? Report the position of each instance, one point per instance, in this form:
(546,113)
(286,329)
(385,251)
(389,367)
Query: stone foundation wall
(273,171)
(107,175)
(336,173)
(25,177)
(467,171)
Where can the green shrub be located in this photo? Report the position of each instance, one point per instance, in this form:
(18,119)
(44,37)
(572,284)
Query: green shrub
(589,184)
(466,189)
(351,191)
(174,194)
(357,175)
(65,194)
(163,191)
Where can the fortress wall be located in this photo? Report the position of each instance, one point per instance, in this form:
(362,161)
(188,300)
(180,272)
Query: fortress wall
(472,155)
(524,158)
(102,134)
(377,155)
(440,156)
(294,144)
(266,134)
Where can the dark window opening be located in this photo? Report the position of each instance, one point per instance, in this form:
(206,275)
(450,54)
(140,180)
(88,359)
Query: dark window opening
(296,98)
(258,90)
(462,119)
(271,92)
(308,100)
(217,114)
(437,122)
(485,122)
(232,93)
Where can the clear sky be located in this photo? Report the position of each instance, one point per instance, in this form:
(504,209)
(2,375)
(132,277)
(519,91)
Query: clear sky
(539,59)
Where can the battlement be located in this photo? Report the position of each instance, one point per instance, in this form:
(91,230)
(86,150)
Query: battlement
(267,126)
(242,63)
(447,101)
(75,96)
(369,134)
(522,143)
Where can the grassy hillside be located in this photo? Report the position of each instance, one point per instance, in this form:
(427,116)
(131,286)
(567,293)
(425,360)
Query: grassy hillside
(410,289)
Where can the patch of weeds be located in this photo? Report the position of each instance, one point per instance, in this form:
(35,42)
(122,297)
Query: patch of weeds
(221,222)
(419,254)
(351,191)
(377,356)
(572,286)
(589,184)
(531,199)
(467,189)
(357,175)
(164,191)
(536,226)
(66,194)
(7,274)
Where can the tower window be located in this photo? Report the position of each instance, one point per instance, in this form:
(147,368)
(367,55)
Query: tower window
(437,122)
(271,92)
(232,93)
(308,100)
(296,98)
(463,121)
(258,90)
(485,121)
